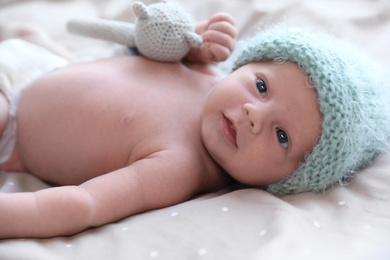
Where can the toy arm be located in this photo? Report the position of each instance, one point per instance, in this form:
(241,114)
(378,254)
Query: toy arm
(194,39)
(219,35)
(115,31)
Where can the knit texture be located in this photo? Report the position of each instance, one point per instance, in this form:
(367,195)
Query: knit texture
(164,32)
(351,95)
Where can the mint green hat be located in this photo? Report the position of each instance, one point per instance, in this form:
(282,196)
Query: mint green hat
(352,97)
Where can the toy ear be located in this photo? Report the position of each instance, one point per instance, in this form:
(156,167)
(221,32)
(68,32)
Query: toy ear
(140,10)
(194,39)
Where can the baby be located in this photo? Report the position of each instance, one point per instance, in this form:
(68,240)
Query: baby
(120,136)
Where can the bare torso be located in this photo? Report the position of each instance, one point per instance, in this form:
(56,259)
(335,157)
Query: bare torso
(89,119)
(119,137)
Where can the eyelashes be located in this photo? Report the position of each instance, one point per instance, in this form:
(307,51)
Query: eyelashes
(262,88)
(282,138)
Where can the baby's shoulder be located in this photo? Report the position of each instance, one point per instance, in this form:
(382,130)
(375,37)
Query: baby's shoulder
(195,164)
(208,69)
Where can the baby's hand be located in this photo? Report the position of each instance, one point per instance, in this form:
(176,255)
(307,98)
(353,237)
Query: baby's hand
(219,34)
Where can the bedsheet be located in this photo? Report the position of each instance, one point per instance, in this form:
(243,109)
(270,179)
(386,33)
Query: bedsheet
(347,222)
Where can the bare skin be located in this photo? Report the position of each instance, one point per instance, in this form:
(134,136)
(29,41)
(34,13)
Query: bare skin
(91,131)
(126,135)
(116,126)
(270,120)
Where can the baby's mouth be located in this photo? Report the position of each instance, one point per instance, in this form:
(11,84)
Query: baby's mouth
(229,131)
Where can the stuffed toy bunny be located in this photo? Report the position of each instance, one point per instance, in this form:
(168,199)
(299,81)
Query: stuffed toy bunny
(161,32)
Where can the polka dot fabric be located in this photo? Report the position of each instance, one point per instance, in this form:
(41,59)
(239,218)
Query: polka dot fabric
(351,95)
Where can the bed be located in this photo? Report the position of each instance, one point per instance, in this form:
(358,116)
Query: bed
(348,222)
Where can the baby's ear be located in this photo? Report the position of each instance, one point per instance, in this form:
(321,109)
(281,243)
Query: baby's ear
(194,39)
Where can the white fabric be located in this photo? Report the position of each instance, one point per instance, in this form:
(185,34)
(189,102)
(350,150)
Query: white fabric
(351,222)
(20,63)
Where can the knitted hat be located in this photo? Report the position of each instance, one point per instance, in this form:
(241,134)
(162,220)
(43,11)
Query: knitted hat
(351,97)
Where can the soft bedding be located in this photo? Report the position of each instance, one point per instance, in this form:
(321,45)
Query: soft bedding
(348,222)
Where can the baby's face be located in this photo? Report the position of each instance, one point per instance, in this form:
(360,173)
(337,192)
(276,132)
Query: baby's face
(260,122)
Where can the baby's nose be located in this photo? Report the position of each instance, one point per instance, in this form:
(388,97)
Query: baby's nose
(256,117)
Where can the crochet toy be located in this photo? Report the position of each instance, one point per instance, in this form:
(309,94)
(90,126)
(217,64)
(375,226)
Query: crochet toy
(161,32)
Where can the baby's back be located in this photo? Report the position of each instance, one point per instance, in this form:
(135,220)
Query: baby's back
(92,118)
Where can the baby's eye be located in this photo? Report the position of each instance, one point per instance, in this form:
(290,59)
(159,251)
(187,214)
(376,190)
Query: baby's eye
(282,137)
(261,87)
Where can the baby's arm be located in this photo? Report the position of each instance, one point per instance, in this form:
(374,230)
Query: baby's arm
(149,183)
(219,34)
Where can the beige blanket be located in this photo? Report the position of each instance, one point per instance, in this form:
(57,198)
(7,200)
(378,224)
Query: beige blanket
(350,222)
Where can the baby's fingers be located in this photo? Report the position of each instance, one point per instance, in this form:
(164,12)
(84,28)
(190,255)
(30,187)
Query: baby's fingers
(219,34)
(219,38)
(218,52)
(224,23)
